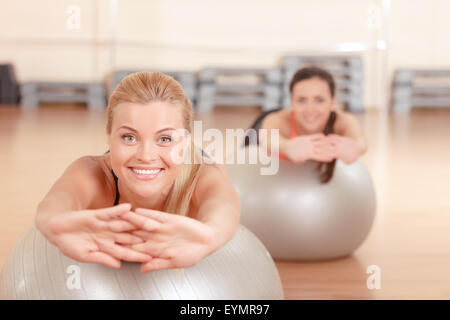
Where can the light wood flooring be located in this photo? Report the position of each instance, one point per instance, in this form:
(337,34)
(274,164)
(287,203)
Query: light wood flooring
(408,157)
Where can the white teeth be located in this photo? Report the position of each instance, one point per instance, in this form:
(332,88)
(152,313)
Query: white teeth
(146,171)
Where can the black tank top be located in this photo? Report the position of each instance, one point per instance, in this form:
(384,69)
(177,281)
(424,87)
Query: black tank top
(116,201)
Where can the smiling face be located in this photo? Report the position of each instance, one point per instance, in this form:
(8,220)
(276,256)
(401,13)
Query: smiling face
(142,142)
(312,103)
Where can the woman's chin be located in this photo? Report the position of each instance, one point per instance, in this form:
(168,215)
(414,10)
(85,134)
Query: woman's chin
(312,128)
(147,193)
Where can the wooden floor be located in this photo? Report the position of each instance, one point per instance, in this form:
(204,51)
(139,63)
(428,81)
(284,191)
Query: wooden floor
(408,157)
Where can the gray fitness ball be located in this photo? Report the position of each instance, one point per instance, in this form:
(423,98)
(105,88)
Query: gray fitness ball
(242,269)
(297,217)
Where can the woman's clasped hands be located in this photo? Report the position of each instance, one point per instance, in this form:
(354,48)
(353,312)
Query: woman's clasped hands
(156,239)
(323,148)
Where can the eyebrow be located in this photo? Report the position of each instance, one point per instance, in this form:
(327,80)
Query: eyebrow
(316,96)
(132,129)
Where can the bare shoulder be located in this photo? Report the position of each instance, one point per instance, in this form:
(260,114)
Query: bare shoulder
(213,180)
(344,121)
(211,173)
(105,179)
(94,166)
(85,178)
(278,120)
(83,166)
(103,165)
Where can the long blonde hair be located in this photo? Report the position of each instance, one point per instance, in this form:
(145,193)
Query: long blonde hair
(146,87)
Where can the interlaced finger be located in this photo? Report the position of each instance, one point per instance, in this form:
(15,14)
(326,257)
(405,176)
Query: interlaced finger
(145,223)
(121,252)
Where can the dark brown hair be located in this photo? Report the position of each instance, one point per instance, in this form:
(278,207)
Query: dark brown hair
(325,169)
(313,72)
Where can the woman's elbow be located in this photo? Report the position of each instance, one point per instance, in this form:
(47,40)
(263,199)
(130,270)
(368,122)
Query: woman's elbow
(362,148)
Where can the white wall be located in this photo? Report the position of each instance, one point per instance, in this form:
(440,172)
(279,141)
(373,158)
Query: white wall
(192,34)
(419,34)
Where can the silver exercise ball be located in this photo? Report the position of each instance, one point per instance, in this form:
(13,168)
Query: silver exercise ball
(297,217)
(242,269)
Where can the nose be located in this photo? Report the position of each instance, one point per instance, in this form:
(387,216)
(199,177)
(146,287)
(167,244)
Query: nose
(309,107)
(147,152)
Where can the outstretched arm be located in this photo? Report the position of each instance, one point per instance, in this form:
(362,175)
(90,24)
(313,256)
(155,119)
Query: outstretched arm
(86,235)
(218,204)
(349,141)
(351,129)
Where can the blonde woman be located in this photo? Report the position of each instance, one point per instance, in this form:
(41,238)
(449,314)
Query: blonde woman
(138,202)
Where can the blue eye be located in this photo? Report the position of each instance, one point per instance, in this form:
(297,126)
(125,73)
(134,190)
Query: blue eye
(125,136)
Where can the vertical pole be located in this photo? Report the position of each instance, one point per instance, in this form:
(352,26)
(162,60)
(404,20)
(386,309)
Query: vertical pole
(113,31)
(380,170)
(383,46)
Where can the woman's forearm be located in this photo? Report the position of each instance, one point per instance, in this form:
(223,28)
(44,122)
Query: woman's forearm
(54,204)
(362,146)
(281,144)
(223,218)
